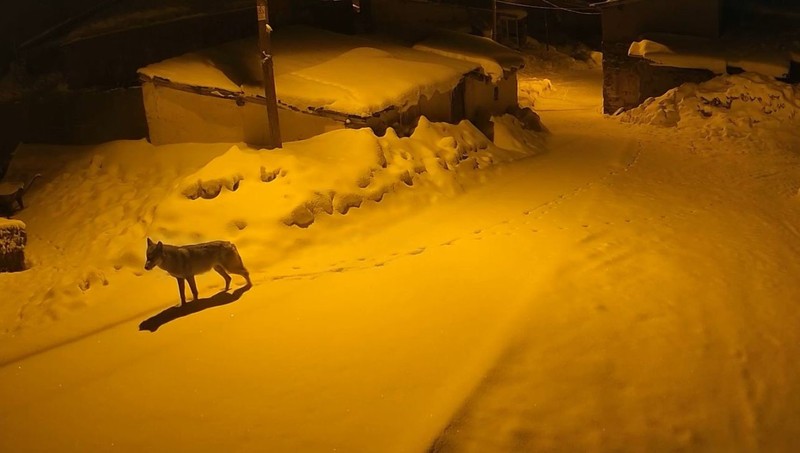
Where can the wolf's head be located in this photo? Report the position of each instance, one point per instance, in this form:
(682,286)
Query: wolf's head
(155,252)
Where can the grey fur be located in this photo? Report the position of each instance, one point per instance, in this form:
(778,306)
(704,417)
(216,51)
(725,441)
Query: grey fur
(186,261)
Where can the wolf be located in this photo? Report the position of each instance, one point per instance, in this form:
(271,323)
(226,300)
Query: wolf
(11,194)
(186,261)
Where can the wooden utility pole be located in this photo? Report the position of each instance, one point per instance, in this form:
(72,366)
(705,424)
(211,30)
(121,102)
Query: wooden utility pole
(265,53)
(494,20)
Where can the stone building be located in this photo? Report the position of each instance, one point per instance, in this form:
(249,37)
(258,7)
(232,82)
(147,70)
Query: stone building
(628,81)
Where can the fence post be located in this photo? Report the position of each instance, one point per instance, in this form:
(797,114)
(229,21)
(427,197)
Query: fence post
(265,54)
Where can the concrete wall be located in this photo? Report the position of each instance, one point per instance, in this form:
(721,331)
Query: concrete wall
(177,116)
(438,108)
(509,94)
(483,98)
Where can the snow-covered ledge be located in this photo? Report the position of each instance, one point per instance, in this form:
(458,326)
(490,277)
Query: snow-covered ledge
(663,55)
(717,56)
(12,245)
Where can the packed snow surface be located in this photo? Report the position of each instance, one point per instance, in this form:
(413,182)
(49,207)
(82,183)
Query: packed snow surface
(669,321)
(633,288)
(129,190)
(543,61)
(315,69)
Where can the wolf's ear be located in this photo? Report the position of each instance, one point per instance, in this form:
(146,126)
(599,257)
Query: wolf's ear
(160,245)
(149,242)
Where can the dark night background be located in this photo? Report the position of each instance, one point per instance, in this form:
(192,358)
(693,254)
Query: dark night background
(24,21)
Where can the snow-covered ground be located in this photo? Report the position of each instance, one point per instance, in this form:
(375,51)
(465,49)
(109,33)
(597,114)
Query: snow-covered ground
(670,319)
(632,287)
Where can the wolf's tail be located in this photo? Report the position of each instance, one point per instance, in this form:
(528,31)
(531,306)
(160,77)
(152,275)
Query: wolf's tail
(28,186)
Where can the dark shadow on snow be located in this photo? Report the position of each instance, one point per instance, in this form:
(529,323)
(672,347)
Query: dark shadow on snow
(189,308)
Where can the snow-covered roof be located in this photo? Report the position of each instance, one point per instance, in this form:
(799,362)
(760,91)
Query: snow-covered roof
(714,55)
(494,58)
(320,70)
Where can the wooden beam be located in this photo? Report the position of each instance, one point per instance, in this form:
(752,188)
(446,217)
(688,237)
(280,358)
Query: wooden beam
(265,54)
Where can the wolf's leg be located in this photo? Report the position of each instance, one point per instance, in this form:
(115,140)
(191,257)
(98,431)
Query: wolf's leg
(240,270)
(182,289)
(235,265)
(192,286)
(221,271)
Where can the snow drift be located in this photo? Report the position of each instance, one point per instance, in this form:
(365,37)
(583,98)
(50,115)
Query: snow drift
(88,220)
(251,196)
(729,105)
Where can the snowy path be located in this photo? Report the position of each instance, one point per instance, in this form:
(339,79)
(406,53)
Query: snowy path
(671,320)
(410,318)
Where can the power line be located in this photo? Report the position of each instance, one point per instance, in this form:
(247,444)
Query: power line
(552,6)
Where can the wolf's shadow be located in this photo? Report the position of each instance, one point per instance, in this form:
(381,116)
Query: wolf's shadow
(172,313)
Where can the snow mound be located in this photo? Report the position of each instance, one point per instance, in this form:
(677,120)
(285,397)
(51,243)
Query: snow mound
(729,104)
(518,132)
(88,219)
(530,89)
(250,196)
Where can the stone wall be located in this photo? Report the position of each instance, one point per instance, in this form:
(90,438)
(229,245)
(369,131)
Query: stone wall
(12,245)
(627,81)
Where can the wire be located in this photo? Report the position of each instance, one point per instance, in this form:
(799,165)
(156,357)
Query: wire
(552,7)
(574,4)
